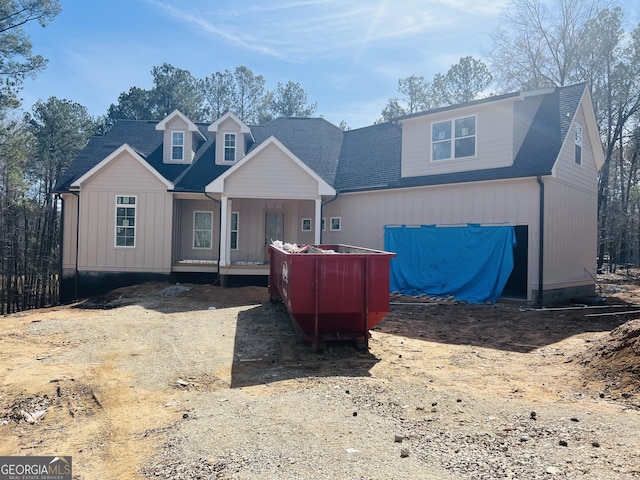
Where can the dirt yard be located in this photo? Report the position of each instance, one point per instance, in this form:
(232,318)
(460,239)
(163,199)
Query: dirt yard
(198,381)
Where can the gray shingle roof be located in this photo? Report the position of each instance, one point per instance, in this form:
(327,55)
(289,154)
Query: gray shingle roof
(361,159)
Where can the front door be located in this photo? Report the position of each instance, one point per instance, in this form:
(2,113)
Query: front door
(273,230)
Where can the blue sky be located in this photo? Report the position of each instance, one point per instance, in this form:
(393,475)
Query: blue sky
(347,54)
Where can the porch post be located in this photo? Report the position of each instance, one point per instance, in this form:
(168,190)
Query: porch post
(224,226)
(318,221)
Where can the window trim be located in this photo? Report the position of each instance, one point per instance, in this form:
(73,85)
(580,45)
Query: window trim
(302,224)
(577,145)
(232,231)
(175,145)
(210,230)
(133,205)
(331,228)
(452,139)
(225,148)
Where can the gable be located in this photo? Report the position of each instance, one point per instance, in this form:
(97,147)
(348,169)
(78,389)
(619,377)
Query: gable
(270,171)
(123,169)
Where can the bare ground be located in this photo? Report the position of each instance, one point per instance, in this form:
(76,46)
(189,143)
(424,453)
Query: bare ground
(198,381)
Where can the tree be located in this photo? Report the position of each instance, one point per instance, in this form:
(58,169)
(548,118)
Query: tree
(218,93)
(290,100)
(248,95)
(17,60)
(173,88)
(466,79)
(538,43)
(60,129)
(463,82)
(132,105)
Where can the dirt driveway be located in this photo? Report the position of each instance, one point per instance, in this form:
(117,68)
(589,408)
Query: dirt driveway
(197,381)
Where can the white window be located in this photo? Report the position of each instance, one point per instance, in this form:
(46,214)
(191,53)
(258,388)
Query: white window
(306,224)
(234,231)
(335,223)
(453,139)
(578,145)
(125,221)
(177,146)
(229,147)
(202,229)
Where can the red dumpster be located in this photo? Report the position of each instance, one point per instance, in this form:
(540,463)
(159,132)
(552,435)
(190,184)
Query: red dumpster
(332,292)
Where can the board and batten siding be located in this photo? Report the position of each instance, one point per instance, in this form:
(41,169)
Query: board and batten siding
(184,233)
(494,140)
(154,211)
(229,126)
(272,174)
(69,227)
(364,215)
(251,228)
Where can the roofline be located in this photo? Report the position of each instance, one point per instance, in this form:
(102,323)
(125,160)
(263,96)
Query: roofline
(217,185)
(125,147)
(472,103)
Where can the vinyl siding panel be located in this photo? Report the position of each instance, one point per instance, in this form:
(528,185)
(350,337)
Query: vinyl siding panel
(494,140)
(271,174)
(152,251)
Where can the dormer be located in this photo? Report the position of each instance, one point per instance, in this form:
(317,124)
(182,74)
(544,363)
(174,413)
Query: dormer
(232,138)
(181,138)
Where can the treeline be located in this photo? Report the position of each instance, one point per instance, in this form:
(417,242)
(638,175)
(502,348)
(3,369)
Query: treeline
(538,45)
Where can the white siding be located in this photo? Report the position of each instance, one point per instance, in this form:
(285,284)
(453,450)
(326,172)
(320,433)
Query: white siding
(271,174)
(125,176)
(494,140)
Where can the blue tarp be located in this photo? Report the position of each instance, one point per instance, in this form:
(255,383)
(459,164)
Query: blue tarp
(471,263)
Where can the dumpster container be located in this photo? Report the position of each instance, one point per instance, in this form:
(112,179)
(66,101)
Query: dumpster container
(332,292)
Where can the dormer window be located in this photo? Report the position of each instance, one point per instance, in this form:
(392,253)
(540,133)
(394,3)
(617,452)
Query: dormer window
(177,146)
(229,147)
(453,139)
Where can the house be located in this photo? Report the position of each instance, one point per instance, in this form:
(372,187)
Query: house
(153,200)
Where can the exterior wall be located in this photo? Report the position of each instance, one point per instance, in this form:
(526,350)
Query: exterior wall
(183,220)
(154,214)
(177,124)
(229,126)
(271,175)
(570,235)
(585,175)
(251,228)
(364,215)
(69,232)
(494,140)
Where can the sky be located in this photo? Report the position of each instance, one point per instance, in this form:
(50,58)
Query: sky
(347,55)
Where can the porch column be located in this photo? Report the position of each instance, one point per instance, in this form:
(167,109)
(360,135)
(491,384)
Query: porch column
(224,226)
(318,221)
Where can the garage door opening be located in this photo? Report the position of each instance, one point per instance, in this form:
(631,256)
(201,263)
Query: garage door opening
(516,286)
